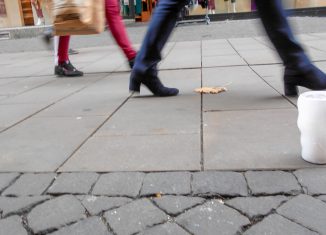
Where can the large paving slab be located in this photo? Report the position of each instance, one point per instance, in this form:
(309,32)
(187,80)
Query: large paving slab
(43,144)
(12,226)
(313,181)
(246,90)
(256,139)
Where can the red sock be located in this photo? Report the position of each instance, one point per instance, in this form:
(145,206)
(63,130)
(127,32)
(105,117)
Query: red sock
(63,49)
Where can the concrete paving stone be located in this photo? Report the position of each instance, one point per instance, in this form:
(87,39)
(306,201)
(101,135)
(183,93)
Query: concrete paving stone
(183,55)
(177,183)
(55,214)
(18,205)
(316,53)
(129,153)
(165,229)
(134,217)
(95,205)
(272,182)
(174,205)
(217,47)
(255,207)
(119,184)
(245,90)
(100,98)
(219,183)
(12,226)
(247,44)
(212,218)
(307,211)
(30,184)
(266,56)
(313,180)
(92,225)
(253,149)
(11,114)
(278,225)
(6,179)
(73,183)
(109,63)
(224,60)
(322,197)
(54,140)
(5,81)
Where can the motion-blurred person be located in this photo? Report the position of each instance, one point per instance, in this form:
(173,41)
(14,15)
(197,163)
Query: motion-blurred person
(299,71)
(39,13)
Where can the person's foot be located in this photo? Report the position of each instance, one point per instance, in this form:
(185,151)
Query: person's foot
(66,69)
(40,21)
(72,52)
(131,62)
(311,78)
(153,83)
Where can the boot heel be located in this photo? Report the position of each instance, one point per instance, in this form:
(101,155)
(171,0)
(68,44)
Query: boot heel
(290,90)
(134,85)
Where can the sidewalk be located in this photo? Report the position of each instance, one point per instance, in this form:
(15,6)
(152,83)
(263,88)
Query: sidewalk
(83,155)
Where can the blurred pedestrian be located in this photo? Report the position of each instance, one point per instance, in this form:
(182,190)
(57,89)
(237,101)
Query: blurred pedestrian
(39,12)
(299,70)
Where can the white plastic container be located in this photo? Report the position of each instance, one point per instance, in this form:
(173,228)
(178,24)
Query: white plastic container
(312,125)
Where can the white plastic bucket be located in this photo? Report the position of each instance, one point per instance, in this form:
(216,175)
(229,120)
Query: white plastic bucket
(312,125)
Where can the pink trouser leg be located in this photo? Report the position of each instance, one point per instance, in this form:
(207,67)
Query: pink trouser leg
(117,28)
(63,49)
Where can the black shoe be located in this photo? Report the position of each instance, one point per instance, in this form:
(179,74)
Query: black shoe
(153,83)
(311,78)
(72,52)
(66,69)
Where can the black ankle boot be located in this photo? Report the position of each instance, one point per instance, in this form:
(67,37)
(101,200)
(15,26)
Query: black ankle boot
(312,78)
(66,69)
(154,84)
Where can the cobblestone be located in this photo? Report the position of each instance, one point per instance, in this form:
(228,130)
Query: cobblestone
(73,183)
(6,179)
(165,229)
(30,185)
(278,225)
(272,182)
(307,211)
(312,180)
(176,183)
(134,217)
(12,226)
(254,207)
(174,205)
(55,213)
(219,183)
(212,218)
(14,205)
(119,184)
(89,226)
(96,205)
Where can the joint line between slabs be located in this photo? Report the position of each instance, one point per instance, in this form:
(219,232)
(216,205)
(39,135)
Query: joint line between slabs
(93,132)
(202,161)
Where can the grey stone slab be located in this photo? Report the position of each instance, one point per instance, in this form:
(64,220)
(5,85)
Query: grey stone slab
(5,81)
(6,179)
(43,144)
(73,183)
(232,142)
(174,205)
(108,63)
(95,205)
(119,184)
(219,183)
(12,226)
(55,213)
(272,182)
(322,197)
(134,217)
(93,225)
(265,56)
(212,218)
(183,55)
(165,229)
(129,153)
(223,60)
(255,207)
(176,183)
(30,184)
(247,44)
(278,225)
(18,205)
(307,211)
(100,98)
(217,47)
(313,181)
(245,90)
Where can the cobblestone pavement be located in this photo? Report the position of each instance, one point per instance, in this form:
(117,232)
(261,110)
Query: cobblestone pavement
(212,202)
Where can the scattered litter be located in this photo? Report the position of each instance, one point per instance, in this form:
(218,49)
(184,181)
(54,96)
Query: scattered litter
(210,90)
(158,195)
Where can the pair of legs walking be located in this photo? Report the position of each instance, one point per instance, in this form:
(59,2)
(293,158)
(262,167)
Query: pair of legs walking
(299,70)
(117,28)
